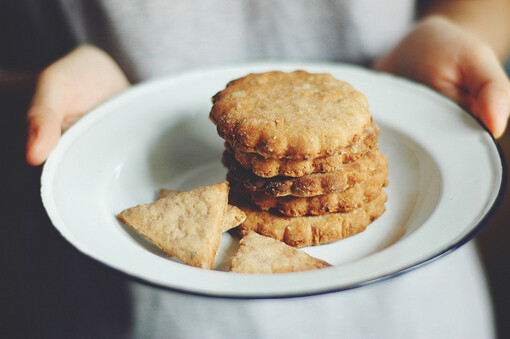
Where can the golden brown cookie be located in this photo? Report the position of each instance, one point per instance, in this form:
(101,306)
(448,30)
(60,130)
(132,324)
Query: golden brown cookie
(188,225)
(259,254)
(233,217)
(294,115)
(344,201)
(311,230)
(270,167)
(347,175)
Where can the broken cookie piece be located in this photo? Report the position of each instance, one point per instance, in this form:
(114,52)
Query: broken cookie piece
(260,254)
(187,225)
(234,217)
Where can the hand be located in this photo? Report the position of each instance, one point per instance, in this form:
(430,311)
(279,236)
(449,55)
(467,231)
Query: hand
(454,62)
(65,91)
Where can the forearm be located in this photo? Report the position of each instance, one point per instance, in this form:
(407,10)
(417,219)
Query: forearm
(489,20)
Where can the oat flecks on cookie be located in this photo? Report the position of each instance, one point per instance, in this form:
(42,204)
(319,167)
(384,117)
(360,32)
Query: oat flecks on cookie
(290,115)
(270,167)
(344,201)
(312,230)
(188,225)
(259,254)
(342,178)
(233,217)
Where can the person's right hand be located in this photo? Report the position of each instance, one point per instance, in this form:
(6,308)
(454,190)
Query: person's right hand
(439,53)
(66,90)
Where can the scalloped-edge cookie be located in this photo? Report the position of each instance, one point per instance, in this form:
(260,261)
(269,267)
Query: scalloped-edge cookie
(345,201)
(188,225)
(311,230)
(347,175)
(260,254)
(270,167)
(296,115)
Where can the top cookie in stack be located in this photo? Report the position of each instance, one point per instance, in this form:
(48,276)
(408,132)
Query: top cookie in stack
(301,144)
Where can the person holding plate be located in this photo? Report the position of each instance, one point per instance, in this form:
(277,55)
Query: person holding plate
(455,47)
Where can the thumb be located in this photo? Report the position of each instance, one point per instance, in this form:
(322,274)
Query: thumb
(492,106)
(44,130)
(44,118)
(489,88)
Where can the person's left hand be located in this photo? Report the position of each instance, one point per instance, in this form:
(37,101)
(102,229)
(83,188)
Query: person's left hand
(454,62)
(66,90)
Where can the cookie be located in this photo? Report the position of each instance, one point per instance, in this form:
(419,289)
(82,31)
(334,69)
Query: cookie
(344,201)
(311,230)
(347,175)
(233,217)
(294,115)
(270,167)
(259,254)
(188,225)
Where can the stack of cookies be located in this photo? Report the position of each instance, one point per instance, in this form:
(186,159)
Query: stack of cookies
(302,156)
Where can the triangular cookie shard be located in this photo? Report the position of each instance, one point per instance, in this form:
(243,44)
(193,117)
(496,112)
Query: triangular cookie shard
(260,254)
(234,217)
(187,225)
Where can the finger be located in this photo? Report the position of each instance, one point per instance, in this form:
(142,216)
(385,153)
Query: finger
(454,91)
(45,116)
(492,106)
(44,130)
(489,88)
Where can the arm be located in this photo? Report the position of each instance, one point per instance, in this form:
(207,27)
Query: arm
(66,90)
(454,49)
(488,20)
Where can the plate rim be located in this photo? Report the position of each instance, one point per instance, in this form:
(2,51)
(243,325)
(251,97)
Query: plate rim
(146,85)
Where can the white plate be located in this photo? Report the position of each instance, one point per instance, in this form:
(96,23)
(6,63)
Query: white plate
(446,176)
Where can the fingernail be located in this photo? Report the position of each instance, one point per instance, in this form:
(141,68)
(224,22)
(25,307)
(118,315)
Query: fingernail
(499,131)
(30,149)
(501,121)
